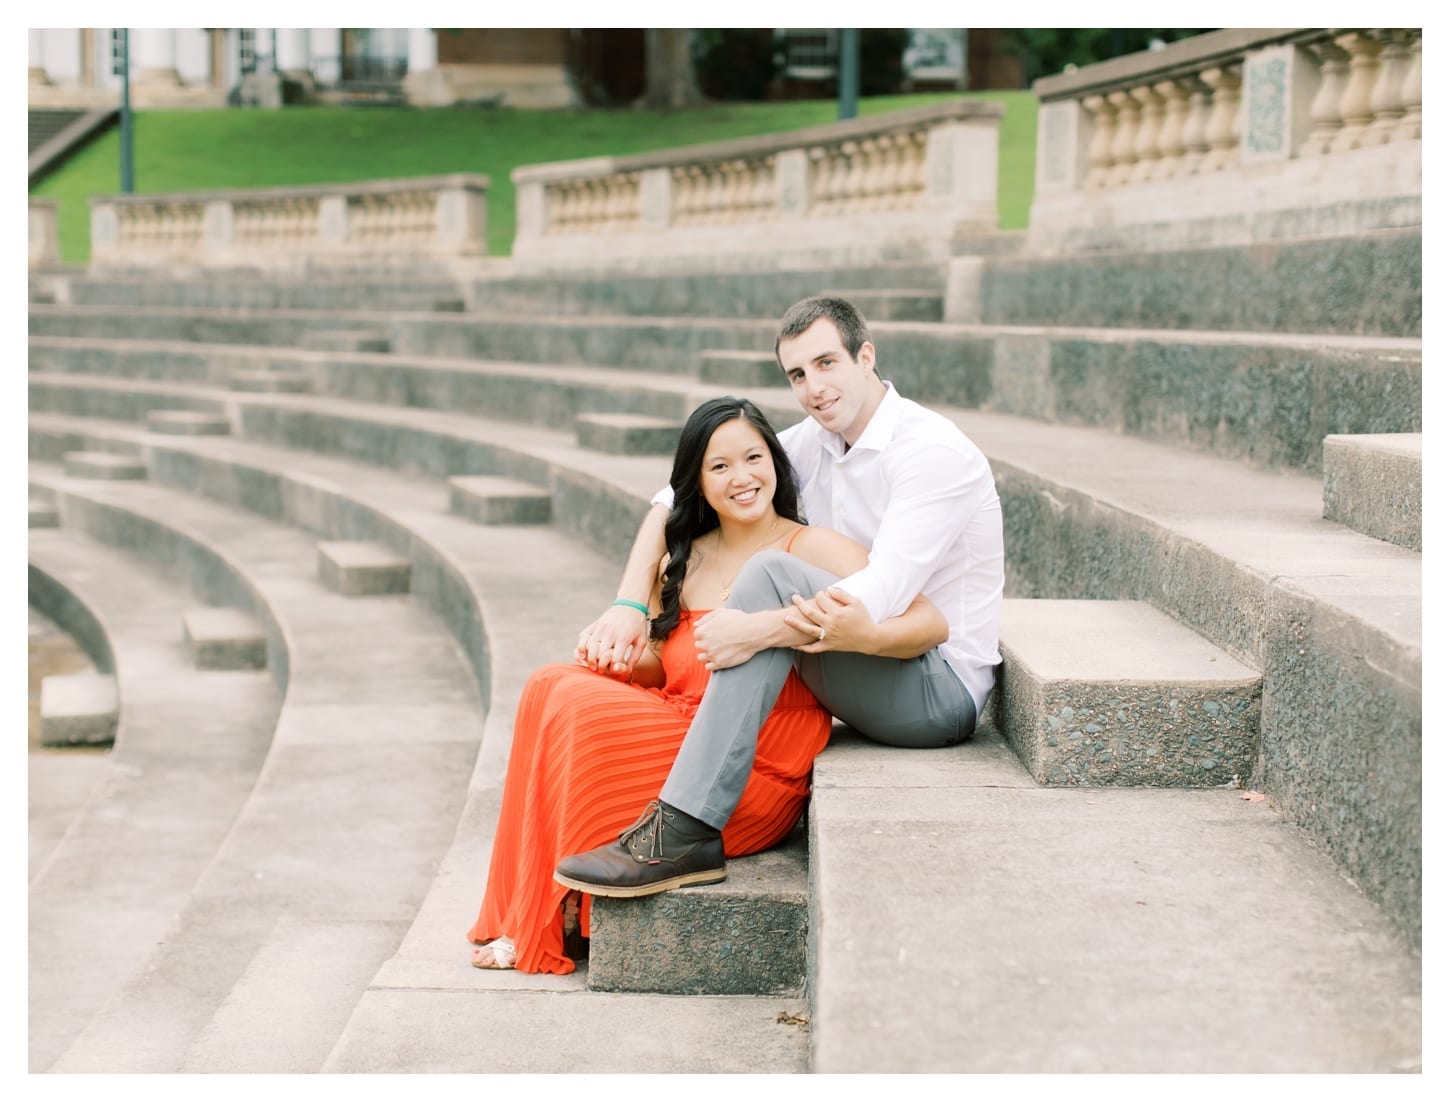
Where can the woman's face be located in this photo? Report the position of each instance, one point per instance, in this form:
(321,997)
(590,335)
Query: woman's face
(737,477)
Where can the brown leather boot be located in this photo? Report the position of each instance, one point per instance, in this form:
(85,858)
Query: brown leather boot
(664,849)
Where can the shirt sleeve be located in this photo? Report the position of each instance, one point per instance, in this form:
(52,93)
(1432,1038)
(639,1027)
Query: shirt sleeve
(665,497)
(934,490)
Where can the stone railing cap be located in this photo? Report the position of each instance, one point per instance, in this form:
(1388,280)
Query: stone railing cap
(466,180)
(40,201)
(761,144)
(1188,55)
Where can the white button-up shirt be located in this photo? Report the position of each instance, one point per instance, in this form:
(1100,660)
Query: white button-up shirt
(920,496)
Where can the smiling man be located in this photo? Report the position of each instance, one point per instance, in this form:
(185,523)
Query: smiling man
(903,482)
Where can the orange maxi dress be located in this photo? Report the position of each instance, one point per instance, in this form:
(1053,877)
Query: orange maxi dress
(590,752)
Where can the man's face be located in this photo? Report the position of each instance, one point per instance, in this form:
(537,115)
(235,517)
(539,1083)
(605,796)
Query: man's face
(830,386)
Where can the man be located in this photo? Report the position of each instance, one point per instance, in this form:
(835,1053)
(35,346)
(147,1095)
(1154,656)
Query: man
(900,480)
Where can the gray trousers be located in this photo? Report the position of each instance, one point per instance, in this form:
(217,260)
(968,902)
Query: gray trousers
(914,702)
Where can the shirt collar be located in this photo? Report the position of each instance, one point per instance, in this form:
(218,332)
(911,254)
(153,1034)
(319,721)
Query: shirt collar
(874,437)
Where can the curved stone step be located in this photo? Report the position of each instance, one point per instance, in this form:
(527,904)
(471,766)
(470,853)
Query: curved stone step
(1263,398)
(1241,556)
(188,748)
(367,764)
(764,889)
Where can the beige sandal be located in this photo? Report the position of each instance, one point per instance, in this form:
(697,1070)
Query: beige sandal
(502,954)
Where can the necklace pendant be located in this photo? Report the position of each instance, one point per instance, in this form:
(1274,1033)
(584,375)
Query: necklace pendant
(725,593)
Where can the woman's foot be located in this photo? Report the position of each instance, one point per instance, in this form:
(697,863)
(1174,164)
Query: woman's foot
(498,954)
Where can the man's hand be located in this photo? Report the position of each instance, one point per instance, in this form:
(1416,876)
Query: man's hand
(727,637)
(614,642)
(838,620)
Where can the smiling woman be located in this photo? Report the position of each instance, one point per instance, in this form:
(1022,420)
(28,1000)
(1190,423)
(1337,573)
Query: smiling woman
(590,747)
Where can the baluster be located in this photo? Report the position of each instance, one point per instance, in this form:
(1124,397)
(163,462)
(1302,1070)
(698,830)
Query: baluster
(1174,94)
(1145,147)
(1195,125)
(1355,107)
(764,194)
(1324,117)
(1126,137)
(1100,157)
(1223,120)
(1386,99)
(1409,126)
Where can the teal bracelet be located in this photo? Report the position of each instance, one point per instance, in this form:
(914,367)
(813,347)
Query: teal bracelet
(632,604)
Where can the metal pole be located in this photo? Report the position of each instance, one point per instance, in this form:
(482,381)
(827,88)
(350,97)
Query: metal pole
(128,164)
(849,69)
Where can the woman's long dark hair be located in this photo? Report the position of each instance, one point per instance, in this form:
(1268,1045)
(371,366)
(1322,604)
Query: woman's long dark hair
(692,516)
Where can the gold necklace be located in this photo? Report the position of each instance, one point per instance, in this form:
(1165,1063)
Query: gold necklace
(725,589)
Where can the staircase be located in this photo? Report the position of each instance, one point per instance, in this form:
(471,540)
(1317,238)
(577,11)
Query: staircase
(1186,837)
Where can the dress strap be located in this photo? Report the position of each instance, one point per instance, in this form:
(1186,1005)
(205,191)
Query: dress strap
(793,535)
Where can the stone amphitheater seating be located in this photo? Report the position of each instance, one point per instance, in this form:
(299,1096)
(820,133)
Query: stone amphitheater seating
(1159,471)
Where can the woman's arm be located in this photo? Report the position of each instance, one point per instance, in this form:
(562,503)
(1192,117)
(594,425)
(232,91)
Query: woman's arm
(648,671)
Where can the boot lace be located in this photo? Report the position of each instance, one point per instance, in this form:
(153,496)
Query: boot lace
(646,834)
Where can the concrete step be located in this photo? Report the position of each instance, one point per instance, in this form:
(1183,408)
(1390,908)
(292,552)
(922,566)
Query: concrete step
(78,709)
(186,422)
(224,639)
(744,936)
(276,290)
(968,921)
(764,894)
(378,685)
(893,304)
(360,568)
(103,465)
(490,500)
(1241,556)
(541,1032)
(745,294)
(1354,283)
(67,375)
(270,382)
(43,514)
(1117,693)
(188,748)
(627,434)
(1263,398)
(1372,484)
(745,369)
(346,340)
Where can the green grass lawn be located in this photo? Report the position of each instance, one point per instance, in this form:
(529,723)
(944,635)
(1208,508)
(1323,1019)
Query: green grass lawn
(186,150)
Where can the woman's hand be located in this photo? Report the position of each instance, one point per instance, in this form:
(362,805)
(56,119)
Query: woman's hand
(614,642)
(837,619)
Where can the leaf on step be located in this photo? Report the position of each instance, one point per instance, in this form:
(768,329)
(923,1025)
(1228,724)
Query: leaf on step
(1255,797)
(785,1017)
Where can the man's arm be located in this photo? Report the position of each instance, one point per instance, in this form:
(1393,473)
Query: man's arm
(935,490)
(620,633)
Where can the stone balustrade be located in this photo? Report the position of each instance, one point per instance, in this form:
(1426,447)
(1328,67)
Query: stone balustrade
(44,242)
(899,185)
(424,217)
(1224,127)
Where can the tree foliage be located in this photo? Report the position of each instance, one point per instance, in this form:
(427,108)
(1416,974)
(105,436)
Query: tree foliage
(1045,51)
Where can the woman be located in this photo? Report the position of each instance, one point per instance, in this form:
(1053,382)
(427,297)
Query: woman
(589,750)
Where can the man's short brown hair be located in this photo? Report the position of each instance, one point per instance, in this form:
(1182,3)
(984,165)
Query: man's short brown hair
(846,318)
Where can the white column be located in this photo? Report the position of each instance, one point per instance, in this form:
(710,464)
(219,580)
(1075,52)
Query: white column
(37,57)
(294,50)
(326,54)
(422,50)
(154,56)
